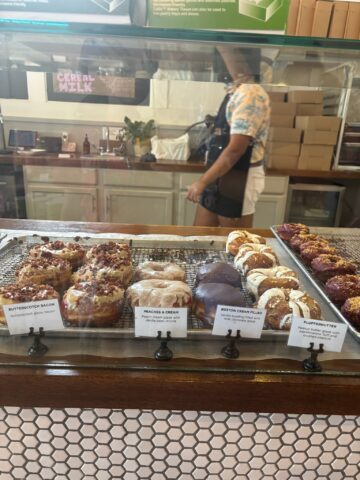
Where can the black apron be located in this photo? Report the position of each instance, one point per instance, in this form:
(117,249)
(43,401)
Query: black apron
(230,188)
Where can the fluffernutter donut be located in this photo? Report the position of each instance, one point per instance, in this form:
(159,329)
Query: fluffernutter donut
(239,237)
(261,279)
(252,255)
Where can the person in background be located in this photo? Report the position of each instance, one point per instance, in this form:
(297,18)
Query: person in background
(229,189)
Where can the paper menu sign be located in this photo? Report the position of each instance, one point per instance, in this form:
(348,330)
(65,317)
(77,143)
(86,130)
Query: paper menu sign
(249,321)
(149,321)
(305,331)
(20,317)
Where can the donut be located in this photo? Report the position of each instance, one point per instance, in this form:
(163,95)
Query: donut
(106,267)
(310,250)
(218,272)
(261,279)
(238,237)
(118,250)
(45,269)
(15,293)
(297,240)
(342,287)
(208,296)
(327,266)
(281,304)
(159,293)
(351,311)
(159,270)
(93,304)
(251,255)
(288,230)
(70,251)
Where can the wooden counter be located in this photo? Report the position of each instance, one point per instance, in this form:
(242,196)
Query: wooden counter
(269,385)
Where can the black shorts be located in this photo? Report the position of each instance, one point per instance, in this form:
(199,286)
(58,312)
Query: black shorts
(213,201)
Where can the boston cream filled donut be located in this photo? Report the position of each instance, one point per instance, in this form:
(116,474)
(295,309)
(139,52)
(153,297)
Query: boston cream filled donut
(251,255)
(45,270)
(70,251)
(281,304)
(15,293)
(105,267)
(119,250)
(159,293)
(238,238)
(93,304)
(218,272)
(159,270)
(261,279)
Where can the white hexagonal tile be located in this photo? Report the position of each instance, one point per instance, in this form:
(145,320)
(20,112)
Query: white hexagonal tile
(133,413)
(47,474)
(88,416)
(58,430)
(89,469)
(117,458)
(204,435)
(102,424)
(103,451)
(131,439)
(60,456)
(187,454)
(73,423)
(258,450)
(187,467)
(145,446)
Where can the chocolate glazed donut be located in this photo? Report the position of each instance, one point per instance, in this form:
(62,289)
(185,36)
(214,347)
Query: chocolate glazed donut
(218,272)
(327,266)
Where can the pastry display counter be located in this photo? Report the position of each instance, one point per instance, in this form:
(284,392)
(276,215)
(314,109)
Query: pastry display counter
(113,369)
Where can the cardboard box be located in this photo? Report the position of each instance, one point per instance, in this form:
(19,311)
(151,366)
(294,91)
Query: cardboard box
(281,108)
(352,26)
(338,20)
(315,157)
(280,162)
(316,137)
(292,17)
(306,96)
(305,18)
(325,124)
(283,148)
(278,134)
(322,16)
(309,109)
(282,121)
(277,96)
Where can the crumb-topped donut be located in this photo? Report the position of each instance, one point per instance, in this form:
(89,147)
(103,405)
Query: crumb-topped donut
(281,304)
(15,293)
(299,239)
(160,270)
(342,287)
(261,279)
(218,272)
(208,296)
(288,230)
(105,267)
(327,266)
(239,237)
(119,250)
(45,269)
(93,304)
(310,250)
(70,251)
(159,293)
(351,310)
(251,255)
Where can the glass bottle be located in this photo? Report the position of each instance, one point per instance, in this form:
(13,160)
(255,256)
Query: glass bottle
(86,146)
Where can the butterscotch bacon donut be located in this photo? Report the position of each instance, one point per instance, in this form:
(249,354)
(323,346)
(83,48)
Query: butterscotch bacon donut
(70,251)
(105,267)
(119,250)
(45,270)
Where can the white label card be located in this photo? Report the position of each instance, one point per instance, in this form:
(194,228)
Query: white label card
(149,321)
(20,317)
(305,331)
(249,321)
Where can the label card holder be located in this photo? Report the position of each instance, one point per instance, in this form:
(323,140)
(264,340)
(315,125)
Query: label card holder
(149,321)
(250,321)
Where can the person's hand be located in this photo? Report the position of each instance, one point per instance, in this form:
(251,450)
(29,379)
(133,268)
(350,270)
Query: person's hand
(195,190)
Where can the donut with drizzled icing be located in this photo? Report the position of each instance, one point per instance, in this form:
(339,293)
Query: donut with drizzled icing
(261,279)
(281,304)
(159,270)
(252,255)
(239,237)
(159,293)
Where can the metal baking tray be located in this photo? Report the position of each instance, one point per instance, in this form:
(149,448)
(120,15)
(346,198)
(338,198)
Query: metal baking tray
(347,243)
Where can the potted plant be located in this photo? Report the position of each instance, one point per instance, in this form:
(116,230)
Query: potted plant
(139,134)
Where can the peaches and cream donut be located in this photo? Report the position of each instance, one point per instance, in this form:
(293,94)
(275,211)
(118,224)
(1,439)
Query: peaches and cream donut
(15,293)
(70,251)
(119,250)
(239,237)
(159,293)
(105,267)
(159,270)
(261,279)
(45,269)
(93,304)
(252,255)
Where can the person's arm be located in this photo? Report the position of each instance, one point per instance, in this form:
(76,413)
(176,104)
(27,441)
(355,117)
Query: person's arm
(229,157)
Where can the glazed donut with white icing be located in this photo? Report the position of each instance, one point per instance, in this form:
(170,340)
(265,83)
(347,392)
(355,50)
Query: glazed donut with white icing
(93,304)
(118,250)
(281,304)
(239,237)
(252,255)
(261,279)
(70,251)
(45,269)
(159,293)
(15,293)
(159,270)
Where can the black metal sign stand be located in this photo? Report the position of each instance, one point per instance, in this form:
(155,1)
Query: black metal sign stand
(230,350)
(163,353)
(37,349)
(311,364)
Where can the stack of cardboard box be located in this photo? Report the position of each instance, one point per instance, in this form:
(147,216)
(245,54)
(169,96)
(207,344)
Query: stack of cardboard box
(299,136)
